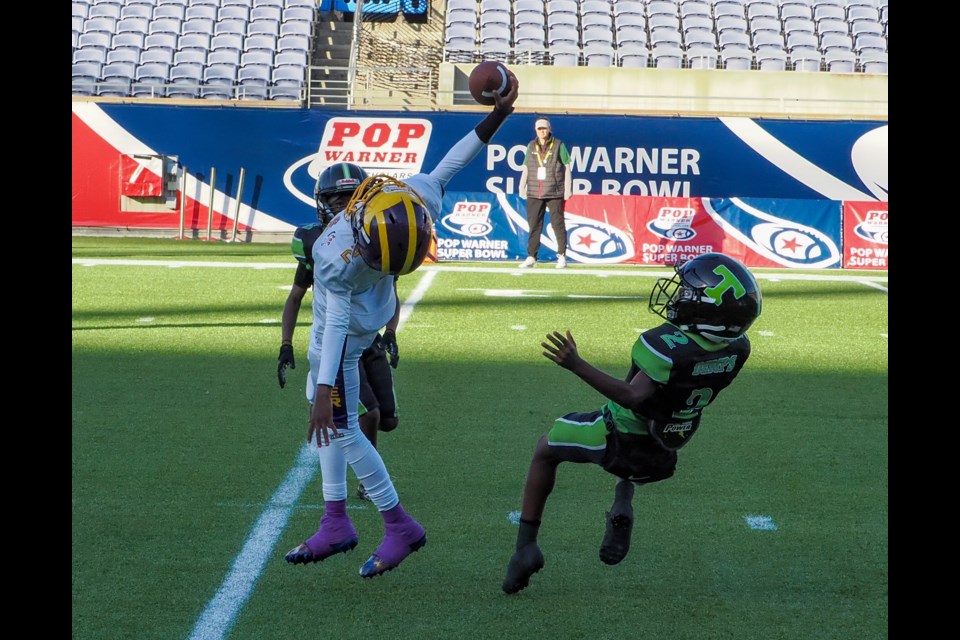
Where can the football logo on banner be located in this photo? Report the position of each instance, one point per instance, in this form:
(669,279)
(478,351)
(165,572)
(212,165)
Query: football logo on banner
(469,219)
(674,223)
(778,239)
(874,227)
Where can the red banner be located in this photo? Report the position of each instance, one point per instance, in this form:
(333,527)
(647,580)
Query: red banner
(660,230)
(865,235)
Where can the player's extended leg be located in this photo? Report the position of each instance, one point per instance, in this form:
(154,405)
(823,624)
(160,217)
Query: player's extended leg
(576,437)
(369,408)
(527,559)
(379,377)
(403,535)
(634,460)
(376,398)
(616,539)
(336,533)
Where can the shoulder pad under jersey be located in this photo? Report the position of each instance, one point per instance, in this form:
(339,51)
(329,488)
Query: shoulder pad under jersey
(302,244)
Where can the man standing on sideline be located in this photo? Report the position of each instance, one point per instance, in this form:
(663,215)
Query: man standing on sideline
(546,182)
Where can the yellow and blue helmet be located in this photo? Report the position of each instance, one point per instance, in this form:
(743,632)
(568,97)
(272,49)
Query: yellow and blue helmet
(391,225)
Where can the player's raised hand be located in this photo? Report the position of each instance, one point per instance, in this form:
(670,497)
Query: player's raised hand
(562,349)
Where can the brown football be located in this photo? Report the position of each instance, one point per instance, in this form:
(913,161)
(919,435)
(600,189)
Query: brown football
(487,77)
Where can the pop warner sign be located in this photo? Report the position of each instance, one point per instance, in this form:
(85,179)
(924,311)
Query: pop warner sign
(865,235)
(646,230)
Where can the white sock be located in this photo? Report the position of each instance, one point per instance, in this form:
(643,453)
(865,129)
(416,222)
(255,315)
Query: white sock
(333,471)
(369,468)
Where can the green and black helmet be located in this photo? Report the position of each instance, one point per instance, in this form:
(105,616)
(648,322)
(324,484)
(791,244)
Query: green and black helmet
(335,185)
(712,295)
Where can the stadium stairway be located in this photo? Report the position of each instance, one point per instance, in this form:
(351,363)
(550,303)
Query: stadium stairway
(329,84)
(398,61)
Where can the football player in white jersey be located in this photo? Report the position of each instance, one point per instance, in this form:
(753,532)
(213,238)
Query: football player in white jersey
(384,231)
(379,409)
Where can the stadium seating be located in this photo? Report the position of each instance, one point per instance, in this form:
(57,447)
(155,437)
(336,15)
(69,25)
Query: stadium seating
(174,48)
(840,36)
(840,61)
(287,83)
(625,32)
(151,80)
(116,78)
(122,54)
(86,74)
(219,80)
(873,61)
(254,82)
(702,57)
(185,80)
(736,57)
(771,60)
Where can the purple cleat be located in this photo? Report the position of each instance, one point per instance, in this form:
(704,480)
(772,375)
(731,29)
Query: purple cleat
(399,541)
(336,535)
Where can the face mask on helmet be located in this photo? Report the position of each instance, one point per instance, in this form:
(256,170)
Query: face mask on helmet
(391,225)
(713,295)
(335,186)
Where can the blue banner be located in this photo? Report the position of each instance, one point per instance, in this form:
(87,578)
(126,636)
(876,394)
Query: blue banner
(283,150)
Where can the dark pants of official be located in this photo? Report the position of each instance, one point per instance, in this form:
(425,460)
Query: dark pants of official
(536,208)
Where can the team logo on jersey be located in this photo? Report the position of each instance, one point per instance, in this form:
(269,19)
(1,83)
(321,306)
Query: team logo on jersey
(674,223)
(874,227)
(469,219)
(778,239)
(392,146)
(679,428)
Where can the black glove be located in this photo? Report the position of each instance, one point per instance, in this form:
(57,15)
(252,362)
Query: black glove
(284,360)
(389,343)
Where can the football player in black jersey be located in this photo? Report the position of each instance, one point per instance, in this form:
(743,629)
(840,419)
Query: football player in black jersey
(676,370)
(378,411)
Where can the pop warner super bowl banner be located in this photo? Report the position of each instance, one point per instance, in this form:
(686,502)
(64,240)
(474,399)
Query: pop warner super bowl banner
(865,235)
(282,151)
(647,230)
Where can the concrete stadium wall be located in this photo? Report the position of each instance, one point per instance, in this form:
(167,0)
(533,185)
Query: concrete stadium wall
(691,92)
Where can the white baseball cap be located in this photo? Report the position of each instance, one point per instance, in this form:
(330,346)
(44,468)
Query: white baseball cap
(542,123)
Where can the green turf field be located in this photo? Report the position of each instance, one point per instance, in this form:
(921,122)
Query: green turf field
(189,482)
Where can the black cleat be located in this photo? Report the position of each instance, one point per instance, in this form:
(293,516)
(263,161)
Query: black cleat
(302,554)
(616,541)
(524,563)
(362,493)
